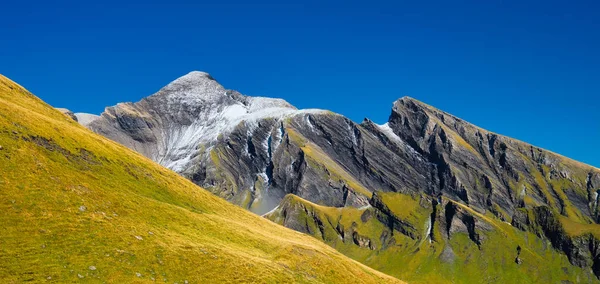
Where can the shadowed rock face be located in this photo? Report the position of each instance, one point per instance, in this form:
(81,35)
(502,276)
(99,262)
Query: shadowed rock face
(485,170)
(255,151)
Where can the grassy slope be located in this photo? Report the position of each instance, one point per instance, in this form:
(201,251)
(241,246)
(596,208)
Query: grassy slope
(76,205)
(419,261)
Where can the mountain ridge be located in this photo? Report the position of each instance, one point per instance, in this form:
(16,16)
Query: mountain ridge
(194,85)
(470,191)
(495,133)
(192,77)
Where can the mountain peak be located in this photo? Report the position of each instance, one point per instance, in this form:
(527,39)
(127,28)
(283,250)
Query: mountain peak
(193,86)
(406,100)
(195,76)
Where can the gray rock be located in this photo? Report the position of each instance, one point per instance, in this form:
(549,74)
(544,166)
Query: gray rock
(68,113)
(518,260)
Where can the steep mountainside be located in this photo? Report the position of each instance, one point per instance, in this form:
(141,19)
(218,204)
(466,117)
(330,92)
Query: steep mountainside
(425,187)
(79,207)
(254,151)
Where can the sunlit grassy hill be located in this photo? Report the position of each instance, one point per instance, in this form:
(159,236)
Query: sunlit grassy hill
(76,206)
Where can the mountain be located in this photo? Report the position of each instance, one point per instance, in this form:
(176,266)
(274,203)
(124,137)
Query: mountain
(79,207)
(253,151)
(424,197)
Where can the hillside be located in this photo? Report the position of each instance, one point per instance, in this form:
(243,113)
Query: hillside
(460,246)
(77,206)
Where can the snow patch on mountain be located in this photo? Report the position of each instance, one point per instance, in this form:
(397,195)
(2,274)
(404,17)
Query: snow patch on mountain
(387,130)
(181,138)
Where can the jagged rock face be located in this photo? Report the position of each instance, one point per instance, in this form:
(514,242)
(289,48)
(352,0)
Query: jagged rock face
(485,170)
(219,138)
(168,125)
(254,151)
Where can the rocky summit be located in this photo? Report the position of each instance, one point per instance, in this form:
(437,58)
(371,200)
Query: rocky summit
(425,197)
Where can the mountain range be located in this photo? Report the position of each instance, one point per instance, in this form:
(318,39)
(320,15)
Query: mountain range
(426,197)
(428,189)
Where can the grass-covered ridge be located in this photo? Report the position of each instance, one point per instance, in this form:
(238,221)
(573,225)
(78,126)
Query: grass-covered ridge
(453,258)
(76,206)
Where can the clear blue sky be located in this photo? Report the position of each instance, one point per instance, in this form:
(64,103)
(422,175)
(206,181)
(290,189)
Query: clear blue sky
(527,69)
